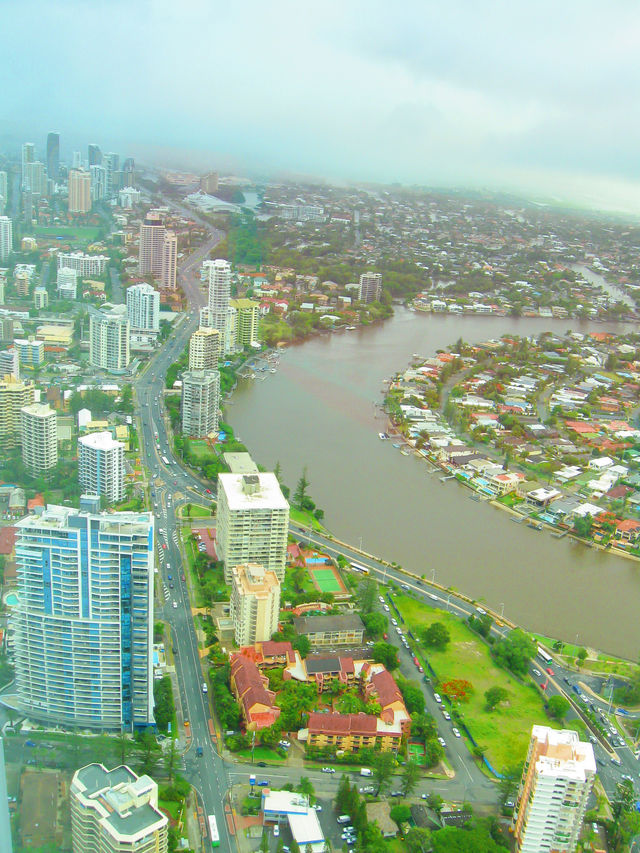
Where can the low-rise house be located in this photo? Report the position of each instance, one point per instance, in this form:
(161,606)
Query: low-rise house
(251,691)
(542,497)
(350,732)
(270,653)
(380,813)
(627,530)
(324,671)
(329,631)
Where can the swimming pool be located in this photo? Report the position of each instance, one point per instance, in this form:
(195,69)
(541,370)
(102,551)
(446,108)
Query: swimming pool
(11,600)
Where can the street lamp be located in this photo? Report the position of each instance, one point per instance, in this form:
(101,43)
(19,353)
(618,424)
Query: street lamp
(502,609)
(433,575)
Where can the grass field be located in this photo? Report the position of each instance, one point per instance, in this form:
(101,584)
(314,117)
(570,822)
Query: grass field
(326,580)
(261,753)
(197,512)
(201,449)
(69,232)
(503,733)
(306,518)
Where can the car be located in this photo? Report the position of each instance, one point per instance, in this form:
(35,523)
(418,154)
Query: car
(284,744)
(420,669)
(317,807)
(164,546)
(385,636)
(456,732)
(441,741)
(368,789)
(616,761)
(183,578)
(436,696)
(386,607)
(199,751)
(550,671)
(171,586)
(208,491)
(537,672)
(186,724)
(433,597)
(481,611)
(175,605)
(396,793)
(30,743)
(261,763)
(398,630)
(328,770)
(381,599)
(446,714)
(394,622)
(263,783)
(276,831)
(175,482)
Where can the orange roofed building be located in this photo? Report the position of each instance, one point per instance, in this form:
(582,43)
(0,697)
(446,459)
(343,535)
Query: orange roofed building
(250,689)
(270,653)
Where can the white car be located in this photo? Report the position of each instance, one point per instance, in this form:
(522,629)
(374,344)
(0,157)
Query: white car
(441,741)
(394,621)
(175,605)
(276,831)
(446,714)
(381,599)
(434,597)
(436,696)
(317,808)
(386,607)
(456,732)
(328,770)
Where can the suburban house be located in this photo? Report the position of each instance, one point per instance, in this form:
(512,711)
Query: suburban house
(628,530)
(270,653)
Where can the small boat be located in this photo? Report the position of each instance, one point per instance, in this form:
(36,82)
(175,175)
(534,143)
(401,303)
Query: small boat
(397,445)
(382,436)
(272,370)
(404,451)
(351,328)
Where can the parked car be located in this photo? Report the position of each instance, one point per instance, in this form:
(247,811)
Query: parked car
(456,732)
(328,770)
(436,696)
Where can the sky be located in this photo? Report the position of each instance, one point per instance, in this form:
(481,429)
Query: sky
(538,97)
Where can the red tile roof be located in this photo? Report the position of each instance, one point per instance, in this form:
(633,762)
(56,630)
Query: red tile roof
(342,724)
(7,539)
(386,688)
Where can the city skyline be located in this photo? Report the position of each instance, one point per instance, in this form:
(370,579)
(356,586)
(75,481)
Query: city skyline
(487,97)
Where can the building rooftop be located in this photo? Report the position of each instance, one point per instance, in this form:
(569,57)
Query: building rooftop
(240,463)
(100,441)
(313,624)
(252,491)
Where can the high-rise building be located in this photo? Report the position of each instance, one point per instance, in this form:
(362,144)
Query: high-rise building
(98,180)
(53,155)
(10,363)
(370,287)
(76,160)
(556,782)
(5,820)
(28,156)
(3,191)
(111,162)
(35,179)
(218,275)
(115,811)
(30,352)
(109,338)
(94,155)
(129,172)
(129,197)
(101,465)
(79,191)
(67,283)
(143,308)
(253,522)
(255,603)
(169,260)
(152,232)
(209,182)
(39,438)
(84,626)
(84,265)
(14,395)
(246,323)
(40,298)
(200,402)
(204,349)
(6,237)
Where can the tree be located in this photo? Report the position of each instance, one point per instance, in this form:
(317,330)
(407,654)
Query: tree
(367,595)
(418,840)
(493,697)
(434,753)
(301,490)
(621,806)
(375,623)
(581,656)
(410,777)
(436,636)
(305,787)
(383,764)
(385,654)
(188,509)
(302,644)
(400,813)
(423,727)
(170,759)
(435,802)
(457,689)
(515,651)
(412,695)
(583,526)
(558,707)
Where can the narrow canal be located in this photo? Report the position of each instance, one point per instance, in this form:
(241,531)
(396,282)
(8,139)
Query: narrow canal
(319,411)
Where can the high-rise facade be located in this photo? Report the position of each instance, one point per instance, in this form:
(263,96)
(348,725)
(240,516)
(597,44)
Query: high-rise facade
(209,182)
(200,402)
(204,349)
(39,438)
(3,191)
(67,283)
(253,522)
(111,162)
(370,287)
(14,395)
(84,265)
(129,173)
(84,626)
(556,782)
(152,232)
(169,266)
(28,156)
(255,603)
(6,237)
(143,308)
(98,182)
(101,465)
(247,322)
(53,156)
(94,155)
(109,338)
(35,178)
(218,275)
(9,363)
(79,191)
(40,298)
(115,811)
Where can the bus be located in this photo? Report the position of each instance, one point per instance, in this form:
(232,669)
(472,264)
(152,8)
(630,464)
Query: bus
(165,460)
(213,831)
(544,656)
(362,570)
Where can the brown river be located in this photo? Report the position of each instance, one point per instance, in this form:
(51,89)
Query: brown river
(318,411)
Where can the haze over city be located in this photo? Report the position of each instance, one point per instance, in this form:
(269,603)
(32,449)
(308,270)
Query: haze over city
(540,100)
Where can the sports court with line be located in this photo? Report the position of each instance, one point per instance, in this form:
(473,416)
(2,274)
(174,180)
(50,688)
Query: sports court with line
(327,579)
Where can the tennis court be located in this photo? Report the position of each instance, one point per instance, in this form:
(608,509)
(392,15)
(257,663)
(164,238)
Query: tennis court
(417,753)
(326,579)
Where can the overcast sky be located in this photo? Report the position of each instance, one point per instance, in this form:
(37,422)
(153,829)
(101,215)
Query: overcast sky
(542,96)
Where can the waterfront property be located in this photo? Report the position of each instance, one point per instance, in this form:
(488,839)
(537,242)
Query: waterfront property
(329,631)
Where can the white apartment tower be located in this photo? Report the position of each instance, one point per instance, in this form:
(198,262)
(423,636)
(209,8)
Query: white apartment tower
(370,287)
(28,156)
(204,349)
(3,191)
(101,465)
(84,624)
(98,176)
(39,432)
(556,782)
(109,338)
(169,265)
(200,402)
(6,237)
(67,283)
(115,811)
(10,363)
(218,275)
(143,308)
(253,522)
(255,603)
(14,395)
